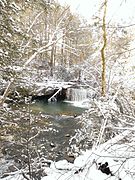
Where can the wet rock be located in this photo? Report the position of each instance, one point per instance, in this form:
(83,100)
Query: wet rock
(3,150)
(45,162)
(70,157)
(12,168)
(4,175)
(67,135)
(52,145)
(105,168)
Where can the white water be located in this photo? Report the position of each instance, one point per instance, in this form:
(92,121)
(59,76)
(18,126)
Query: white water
(79,97)
(74,94)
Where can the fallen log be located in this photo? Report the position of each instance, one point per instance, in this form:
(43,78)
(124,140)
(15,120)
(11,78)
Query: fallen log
(53,96)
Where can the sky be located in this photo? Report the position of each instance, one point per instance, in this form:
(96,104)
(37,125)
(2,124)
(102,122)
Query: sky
(118,10)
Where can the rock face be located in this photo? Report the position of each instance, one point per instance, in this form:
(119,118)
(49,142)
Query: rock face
(46,91)
(55,91)
(46,95)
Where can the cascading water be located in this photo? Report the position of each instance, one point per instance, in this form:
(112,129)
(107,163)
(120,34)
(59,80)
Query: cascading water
(74,94)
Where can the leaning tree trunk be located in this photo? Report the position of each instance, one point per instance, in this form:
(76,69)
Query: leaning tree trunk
(103,80)
(6,92)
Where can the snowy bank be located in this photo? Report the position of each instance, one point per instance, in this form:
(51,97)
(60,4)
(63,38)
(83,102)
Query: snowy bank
(118,158)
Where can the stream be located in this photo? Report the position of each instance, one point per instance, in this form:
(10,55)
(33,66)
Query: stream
(51,128)
(62,122)
(51,124)
(57,108)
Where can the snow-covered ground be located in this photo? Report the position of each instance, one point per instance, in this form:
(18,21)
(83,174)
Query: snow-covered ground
(117,153)
(120,159)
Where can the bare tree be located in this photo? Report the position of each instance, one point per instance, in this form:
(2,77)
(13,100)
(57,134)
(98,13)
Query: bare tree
(103,80)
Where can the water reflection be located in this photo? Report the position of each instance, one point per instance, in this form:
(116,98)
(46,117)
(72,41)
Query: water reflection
(57,108)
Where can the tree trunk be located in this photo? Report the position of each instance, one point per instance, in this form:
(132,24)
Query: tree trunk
(103,80)
(52,60)
(6,92)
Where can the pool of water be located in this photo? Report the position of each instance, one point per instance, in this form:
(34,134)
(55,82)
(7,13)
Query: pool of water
(57,108)
(56,124)
(62,125)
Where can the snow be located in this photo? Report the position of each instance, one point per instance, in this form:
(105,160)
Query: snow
(3,2)
(83,104)
(54,84)
(86,165)
(120,158)
(15,6)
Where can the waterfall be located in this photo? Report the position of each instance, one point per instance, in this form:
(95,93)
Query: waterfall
(74,94)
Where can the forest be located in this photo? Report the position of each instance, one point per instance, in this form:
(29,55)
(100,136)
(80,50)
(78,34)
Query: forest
(67,93)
